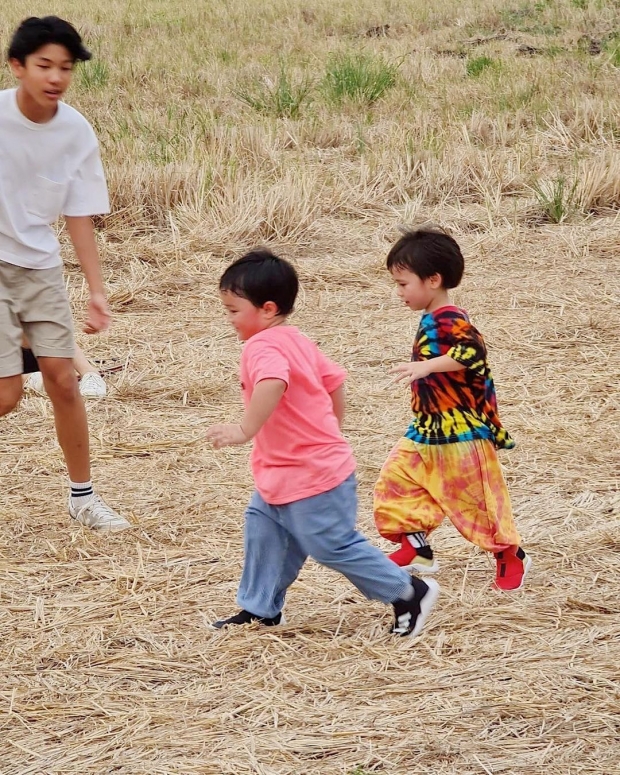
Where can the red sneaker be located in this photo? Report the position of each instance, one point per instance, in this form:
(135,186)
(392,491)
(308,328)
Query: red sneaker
(512,568)
(420,560)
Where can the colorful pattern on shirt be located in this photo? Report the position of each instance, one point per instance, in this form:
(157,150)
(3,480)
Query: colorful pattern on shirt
(454,406)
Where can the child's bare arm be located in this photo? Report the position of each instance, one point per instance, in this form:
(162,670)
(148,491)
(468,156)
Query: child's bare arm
(338,402)
(265,397)
(421,369)
(82,236)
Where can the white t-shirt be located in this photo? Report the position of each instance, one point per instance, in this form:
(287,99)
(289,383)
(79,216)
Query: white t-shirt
(46,170)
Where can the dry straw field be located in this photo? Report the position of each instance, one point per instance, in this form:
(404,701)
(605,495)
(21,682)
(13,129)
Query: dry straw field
(317,128)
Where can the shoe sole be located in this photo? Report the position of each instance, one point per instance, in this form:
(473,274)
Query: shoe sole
(426,606)
(104,528)
(114,528)
(422,569)
(211,625)
(526,567)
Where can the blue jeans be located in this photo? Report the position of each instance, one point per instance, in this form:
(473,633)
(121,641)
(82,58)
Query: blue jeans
(278,539)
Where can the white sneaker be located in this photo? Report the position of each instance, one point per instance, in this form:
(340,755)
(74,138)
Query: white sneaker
(92,385)
(35,383)
(97,514)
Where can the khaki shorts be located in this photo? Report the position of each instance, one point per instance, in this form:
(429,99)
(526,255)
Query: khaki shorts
(33,302)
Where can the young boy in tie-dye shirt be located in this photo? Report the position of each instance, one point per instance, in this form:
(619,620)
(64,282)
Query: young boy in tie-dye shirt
(446,464)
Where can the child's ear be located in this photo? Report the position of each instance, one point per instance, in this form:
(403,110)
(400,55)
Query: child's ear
(436,281)
(271,308)
(16,67)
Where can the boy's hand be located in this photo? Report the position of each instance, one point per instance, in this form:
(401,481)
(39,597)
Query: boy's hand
(98,315)
(226,435)
(411,371)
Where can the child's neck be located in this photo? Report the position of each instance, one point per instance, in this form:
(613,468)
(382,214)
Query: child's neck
(277,321)
(440,299)
(33,112)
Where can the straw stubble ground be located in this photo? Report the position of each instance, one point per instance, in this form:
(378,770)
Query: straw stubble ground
(107,661)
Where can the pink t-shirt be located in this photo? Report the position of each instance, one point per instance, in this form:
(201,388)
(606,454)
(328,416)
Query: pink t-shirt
(299,451)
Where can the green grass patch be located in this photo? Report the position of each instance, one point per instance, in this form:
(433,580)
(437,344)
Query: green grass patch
(612,49)
(530,18)
(282,96)
(227,56)
(477,65)
(530,97)
(358,77)
(93,75)
(556,198)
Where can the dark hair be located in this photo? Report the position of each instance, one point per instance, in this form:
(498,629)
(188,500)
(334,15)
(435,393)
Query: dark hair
(260,276)
(427,252)
(34,33)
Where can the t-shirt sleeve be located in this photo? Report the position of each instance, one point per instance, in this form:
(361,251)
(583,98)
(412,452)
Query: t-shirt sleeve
(88,192)
(262,360)
(332,375)
(467,346)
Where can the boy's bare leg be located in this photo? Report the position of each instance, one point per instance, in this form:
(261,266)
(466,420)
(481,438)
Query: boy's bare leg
(61,385)
(69,415)
(92,384)
(10,392)
(81,363)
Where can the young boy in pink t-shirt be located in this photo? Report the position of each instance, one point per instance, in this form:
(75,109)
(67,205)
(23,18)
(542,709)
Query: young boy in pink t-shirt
(305,502)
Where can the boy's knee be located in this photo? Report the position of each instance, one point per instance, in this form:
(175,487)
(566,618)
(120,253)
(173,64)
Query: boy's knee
(338,550)
(62,386)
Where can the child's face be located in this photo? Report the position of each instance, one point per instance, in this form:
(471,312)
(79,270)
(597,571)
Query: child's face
(416,293)
(244,317)
(45,76)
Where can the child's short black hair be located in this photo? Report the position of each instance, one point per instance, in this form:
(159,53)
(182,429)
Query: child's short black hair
(427,252)
(260,276)
(34,33)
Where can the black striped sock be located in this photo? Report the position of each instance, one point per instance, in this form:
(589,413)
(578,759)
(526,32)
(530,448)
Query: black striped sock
(81,492)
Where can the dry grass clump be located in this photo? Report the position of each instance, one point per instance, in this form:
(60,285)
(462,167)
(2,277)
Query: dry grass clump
(107,661)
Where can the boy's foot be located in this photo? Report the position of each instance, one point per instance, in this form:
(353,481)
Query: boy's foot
(92,386)
(96,514)
(512,568)
(410,615)
(418,559)
(245,617)
(35,383)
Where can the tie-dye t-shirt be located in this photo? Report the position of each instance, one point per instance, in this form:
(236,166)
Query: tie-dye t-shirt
(454,406)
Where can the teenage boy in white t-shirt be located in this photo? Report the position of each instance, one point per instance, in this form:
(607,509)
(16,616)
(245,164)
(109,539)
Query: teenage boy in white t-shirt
(49,166)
